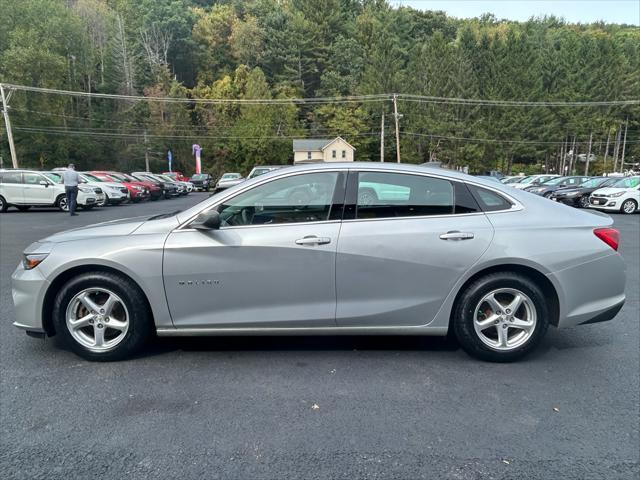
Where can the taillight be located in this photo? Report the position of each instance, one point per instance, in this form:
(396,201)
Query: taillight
(610,236)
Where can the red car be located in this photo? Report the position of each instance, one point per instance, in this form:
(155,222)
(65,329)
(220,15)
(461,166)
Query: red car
(137,190)
(177,176)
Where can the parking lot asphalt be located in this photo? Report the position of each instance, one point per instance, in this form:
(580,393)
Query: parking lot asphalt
(388,407)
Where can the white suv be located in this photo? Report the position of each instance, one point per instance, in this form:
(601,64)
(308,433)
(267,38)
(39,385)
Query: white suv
(24,189)
(623,196)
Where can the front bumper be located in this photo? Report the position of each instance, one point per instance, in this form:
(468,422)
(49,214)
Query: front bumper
(605,203)
(29,287)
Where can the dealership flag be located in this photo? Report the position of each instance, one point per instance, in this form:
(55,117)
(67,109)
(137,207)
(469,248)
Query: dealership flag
(195,150)
(170,158)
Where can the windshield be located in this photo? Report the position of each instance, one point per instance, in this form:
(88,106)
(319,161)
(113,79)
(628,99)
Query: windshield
(528,179)
(165,178)
(118,177)
(514,180)
(55,177)
(630,182)
(199,176)
(555,181)
(594,182)
(91,178)
(230,176)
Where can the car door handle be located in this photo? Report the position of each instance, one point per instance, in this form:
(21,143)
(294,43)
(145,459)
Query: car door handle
(455,235)
(313,240)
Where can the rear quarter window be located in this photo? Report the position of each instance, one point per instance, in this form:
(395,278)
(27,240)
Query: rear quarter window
(489,200)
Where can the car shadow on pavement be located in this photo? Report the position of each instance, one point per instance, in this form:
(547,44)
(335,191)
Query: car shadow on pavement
(162,345)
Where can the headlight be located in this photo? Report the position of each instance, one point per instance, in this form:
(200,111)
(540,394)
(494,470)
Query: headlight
(32,260)
(139,188)
(86,189)
(572,194)
(619,194)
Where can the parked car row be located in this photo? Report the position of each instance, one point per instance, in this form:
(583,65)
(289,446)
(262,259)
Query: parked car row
(24,189)
(615,194)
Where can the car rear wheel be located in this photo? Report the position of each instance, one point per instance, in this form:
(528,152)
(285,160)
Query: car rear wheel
(629,206)
(3,204)
(547,194)
(102,316)
(584,202)
(501,317)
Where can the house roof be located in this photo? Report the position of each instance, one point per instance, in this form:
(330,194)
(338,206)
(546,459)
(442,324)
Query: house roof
(310,144)
(315,144)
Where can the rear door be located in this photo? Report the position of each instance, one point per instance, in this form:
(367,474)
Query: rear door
(11,187)
(405,241)
(271,264)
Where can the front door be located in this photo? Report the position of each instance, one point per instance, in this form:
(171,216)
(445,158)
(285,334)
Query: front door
(271,264)
(409,239)
(34,192)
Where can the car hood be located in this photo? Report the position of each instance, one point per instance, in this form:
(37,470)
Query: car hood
(609,190)
(124,226)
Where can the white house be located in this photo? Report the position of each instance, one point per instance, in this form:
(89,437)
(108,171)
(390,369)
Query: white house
(312,150)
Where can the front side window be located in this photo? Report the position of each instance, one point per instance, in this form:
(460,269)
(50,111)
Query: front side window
(388,195)
(32,178)
(294,199)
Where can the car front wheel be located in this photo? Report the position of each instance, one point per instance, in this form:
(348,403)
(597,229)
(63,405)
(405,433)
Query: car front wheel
(501,317)
(102,316)
(628,206)
(584,202)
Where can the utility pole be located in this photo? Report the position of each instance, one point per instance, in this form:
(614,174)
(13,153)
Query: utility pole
(624,144)
(606,150)
(397,117)
(382,138)
(586,170)
(146,153)
(7,124)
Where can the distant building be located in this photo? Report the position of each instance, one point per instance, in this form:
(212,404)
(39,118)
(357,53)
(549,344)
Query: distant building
(313,150)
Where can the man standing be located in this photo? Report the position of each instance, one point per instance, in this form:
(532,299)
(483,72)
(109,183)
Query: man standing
(71,180)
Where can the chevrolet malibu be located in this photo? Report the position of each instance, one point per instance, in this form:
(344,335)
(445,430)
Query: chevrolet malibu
(309,250)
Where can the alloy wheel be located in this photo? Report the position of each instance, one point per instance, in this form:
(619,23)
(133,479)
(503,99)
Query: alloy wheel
(584,202)
(97,319)
(505,319)
(63,204)
(629,206)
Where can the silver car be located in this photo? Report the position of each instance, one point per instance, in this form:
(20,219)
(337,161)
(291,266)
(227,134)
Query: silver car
(330,249)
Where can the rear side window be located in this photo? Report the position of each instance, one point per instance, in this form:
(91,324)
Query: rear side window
(488,200)
(388,195)
(10,177)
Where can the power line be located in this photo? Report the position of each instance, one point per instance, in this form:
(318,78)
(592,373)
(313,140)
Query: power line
(141,135)
(491,140)
(341,99)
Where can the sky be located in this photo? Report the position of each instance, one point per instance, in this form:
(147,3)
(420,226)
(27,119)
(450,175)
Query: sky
(574,11)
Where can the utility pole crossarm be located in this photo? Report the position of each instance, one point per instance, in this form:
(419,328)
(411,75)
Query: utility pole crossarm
(5,96)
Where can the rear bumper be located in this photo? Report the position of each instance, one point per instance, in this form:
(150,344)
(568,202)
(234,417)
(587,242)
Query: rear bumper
(590,292)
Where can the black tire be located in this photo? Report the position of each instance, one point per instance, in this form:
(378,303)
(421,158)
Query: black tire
(105,202)
(584,201)
(3,204)
(61,203)
(23,208)
(629,206)
(140,320)
(463,322)
(547,195)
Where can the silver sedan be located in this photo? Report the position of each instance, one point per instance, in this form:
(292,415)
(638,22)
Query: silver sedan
(330,249)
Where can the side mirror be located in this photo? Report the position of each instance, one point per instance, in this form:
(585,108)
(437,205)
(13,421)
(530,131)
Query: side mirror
(207,221)
(44,182)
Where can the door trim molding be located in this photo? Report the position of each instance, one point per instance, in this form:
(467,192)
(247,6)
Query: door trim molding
(213,331)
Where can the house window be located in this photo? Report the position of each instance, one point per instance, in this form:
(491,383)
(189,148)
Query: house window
(308,155)
(344,154)
(333,153)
